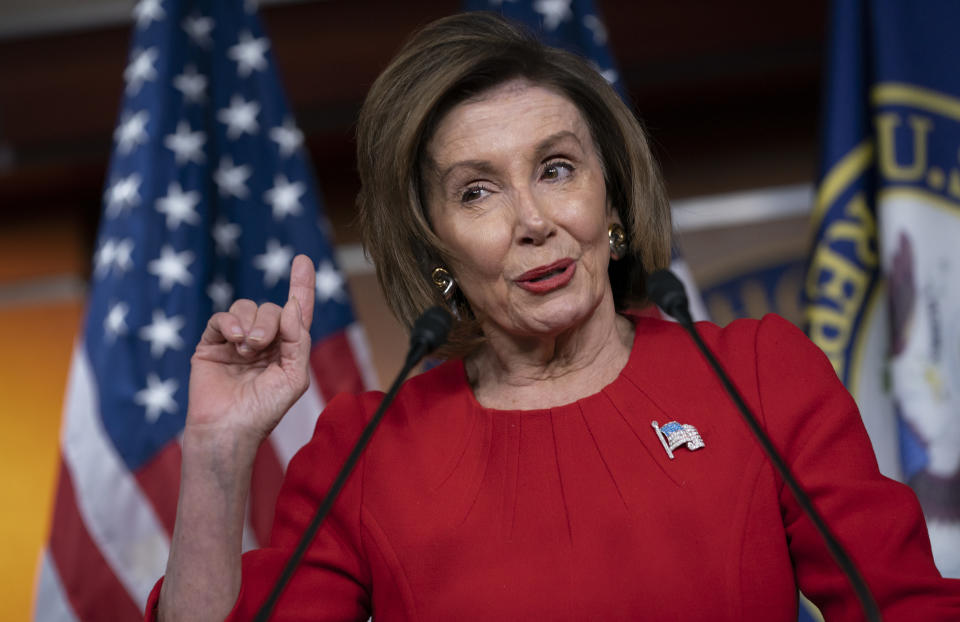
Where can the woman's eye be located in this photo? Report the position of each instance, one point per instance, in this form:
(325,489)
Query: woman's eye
(473,193)
(557,170)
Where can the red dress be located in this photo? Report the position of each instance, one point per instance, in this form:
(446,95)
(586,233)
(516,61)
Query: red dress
(459,512)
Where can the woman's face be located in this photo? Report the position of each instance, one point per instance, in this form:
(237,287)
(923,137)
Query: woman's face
(516,189)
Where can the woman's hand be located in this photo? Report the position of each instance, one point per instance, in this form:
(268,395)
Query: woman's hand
(252,363)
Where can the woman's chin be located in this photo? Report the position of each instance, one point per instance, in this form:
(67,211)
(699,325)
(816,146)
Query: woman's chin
(554,319)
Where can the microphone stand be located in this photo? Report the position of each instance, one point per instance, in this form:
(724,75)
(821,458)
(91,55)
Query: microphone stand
(666,290)
(428,333)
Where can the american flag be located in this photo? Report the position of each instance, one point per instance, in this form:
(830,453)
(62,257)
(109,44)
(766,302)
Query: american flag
(577,26)
(209,196)
(678,434)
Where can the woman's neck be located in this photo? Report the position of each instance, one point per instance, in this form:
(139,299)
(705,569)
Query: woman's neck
(510,373)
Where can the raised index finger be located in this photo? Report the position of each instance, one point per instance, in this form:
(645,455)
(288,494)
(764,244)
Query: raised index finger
(302,283)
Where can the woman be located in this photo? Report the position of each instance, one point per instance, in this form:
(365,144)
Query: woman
(523,478)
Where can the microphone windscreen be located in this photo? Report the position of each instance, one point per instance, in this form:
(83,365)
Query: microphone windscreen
(431,328)
(666,291)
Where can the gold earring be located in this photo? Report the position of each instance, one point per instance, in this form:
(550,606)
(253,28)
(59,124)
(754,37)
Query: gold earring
(618,241)
(444,282)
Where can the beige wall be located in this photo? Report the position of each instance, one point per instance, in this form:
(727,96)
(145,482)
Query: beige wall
(37,327)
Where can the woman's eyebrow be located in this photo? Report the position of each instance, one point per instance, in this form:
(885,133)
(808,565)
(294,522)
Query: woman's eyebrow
(551,141)
(480,166)
(485,167)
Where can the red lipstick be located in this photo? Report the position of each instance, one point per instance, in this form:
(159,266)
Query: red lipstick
(545,279)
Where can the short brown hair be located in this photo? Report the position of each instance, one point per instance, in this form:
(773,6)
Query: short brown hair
(445,63)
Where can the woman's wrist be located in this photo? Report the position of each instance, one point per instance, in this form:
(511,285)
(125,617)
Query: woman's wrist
(217,463)
(220,442)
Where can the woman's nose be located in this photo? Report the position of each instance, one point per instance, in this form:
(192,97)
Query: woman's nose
(533,223)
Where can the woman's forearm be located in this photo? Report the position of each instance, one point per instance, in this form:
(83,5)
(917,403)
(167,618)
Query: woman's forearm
(203,570)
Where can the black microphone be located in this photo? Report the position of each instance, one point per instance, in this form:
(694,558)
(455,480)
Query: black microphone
(666,291)
(429,332)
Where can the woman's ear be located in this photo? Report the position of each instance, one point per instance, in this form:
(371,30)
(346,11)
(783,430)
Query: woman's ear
(613,215)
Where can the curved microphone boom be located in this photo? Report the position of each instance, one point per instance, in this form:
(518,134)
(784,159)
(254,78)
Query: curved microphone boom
(666,291)
(429,332)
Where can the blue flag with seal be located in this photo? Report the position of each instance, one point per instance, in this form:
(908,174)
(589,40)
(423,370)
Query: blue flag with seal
(883,281)
(577,26)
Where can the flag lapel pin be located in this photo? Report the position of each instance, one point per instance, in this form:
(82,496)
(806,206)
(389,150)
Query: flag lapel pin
(673,435)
